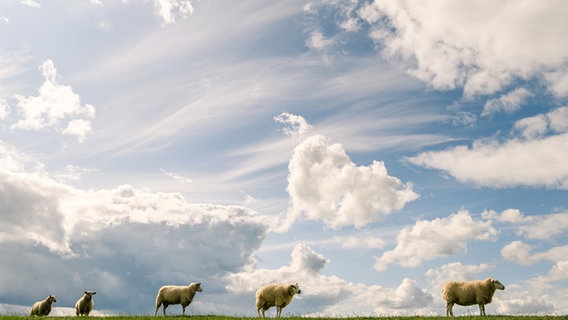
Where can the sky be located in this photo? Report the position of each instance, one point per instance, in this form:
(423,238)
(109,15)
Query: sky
(368,150)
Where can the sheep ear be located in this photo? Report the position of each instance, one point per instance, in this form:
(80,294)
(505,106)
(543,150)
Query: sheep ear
(86,292)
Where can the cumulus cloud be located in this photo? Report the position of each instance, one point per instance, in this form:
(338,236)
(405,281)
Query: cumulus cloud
(4,109)
(326,185)
(541,227)
(294,125)
(31,3)
(435,42)
(317,41)
(168,10)
(521,253)
(53,106)
(330,295)
(454,271)
(536,159)
(509,103)
(521,300)
(441,237)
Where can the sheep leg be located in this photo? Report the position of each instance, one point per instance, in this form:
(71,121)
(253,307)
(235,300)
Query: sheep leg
(165,306)
(258,308)
(264,310)
(449,307)
(278,312)
(156,310)
(481,309)
(183,310)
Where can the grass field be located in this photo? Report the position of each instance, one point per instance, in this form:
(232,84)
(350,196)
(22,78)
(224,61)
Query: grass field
(214,317)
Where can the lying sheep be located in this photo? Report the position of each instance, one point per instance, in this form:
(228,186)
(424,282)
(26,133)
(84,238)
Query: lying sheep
(43,307)
(176,295)
(85,304)
(279,295)
(468,293)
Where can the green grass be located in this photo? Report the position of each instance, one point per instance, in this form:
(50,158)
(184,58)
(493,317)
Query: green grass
(214,317)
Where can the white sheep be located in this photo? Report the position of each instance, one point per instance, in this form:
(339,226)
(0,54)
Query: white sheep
(279,295)
(468,293)
(43,307)
(85,304)
(176,295)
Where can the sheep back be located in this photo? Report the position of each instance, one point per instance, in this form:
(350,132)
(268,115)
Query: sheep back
(271,295)
(470,292)
(43,307)
(178,294)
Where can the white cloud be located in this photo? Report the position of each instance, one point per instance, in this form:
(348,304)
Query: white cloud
(4,109)
(520,252)
(74,239)
(454,271)
(54,105)
(441,237)
(468,45)
(350,25)
(558,81)
(541,227)
(177,177)
(31,3)
(294,125)
(79,128)
(525,300)
(330,295)
(317,41)
(532,127)
(558,119)
(326,185)
(359,241)
(168,10)
(535,160)
(509,103)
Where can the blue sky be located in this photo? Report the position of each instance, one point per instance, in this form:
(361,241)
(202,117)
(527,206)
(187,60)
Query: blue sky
(369,150)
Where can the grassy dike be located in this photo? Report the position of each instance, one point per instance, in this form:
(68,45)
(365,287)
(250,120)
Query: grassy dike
(215,317)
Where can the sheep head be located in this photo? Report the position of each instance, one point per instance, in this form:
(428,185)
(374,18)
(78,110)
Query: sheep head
(496,284)
(52,298)
(89,294)
(294,288)
(196,286)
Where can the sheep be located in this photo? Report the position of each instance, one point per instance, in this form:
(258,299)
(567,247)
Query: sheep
(85,304)
(176,295)
(468,293)
(43,307)
(279,295)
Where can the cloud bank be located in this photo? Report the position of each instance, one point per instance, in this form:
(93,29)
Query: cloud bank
(66,240)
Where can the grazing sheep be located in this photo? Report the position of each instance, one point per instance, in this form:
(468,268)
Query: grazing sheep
(468,293)
(43,307)
(85,304)
(279,295)
(176,295)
